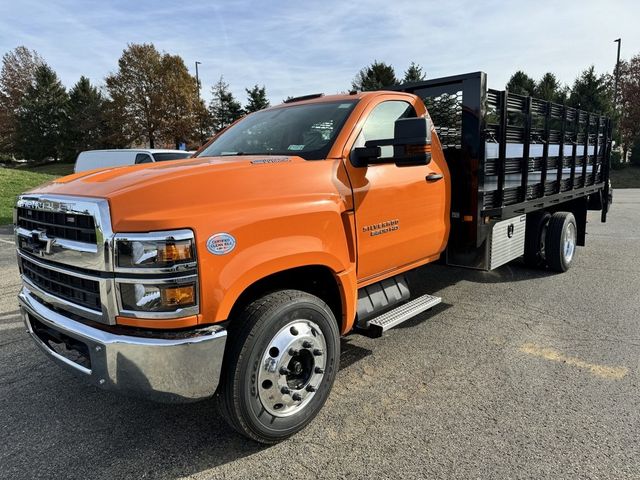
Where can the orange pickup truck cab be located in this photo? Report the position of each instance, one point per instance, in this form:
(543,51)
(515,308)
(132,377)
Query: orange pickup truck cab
(234,273)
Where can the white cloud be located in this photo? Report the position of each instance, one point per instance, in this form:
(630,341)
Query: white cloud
(301,47)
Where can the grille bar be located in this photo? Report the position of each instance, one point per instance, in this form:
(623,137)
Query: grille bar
(74,289)
(70,226)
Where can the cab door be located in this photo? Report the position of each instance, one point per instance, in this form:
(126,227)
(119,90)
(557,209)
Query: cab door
(401,213)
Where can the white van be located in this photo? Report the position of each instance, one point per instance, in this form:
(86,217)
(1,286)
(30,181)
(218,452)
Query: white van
(115,158)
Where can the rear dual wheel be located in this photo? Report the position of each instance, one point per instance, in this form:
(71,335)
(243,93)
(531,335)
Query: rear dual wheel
(280,365)
(561,241)
(535,239)
(550,240)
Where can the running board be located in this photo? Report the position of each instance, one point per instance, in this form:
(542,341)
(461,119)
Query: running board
(402,313)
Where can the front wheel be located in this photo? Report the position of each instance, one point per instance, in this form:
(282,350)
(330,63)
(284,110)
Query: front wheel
(280,365)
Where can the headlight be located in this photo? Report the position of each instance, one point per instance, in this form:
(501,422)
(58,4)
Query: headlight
(155,250)
(157,298)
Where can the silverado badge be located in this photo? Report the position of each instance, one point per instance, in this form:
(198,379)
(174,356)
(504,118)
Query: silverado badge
(382,227)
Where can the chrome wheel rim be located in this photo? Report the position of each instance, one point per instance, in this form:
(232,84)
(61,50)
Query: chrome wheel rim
(292,368)
(569,246)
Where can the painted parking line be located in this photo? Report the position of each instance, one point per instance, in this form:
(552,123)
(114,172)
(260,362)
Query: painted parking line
(553,355)
(2,240)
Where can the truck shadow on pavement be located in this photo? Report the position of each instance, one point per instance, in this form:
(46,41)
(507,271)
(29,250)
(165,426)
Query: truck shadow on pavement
(86,432)
(435,277)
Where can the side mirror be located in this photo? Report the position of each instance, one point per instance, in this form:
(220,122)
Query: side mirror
(363,156)
(412,142)
(411,145)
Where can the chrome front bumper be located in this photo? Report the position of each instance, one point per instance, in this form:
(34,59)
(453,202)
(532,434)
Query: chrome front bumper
(180,367)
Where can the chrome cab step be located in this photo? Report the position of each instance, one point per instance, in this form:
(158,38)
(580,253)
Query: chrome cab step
(404,312)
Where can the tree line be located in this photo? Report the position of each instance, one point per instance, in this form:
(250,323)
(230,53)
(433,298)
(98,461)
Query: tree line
(596,93)
(150,99)
(590,91)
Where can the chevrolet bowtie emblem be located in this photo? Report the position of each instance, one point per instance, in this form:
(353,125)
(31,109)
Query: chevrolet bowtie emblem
(40,243)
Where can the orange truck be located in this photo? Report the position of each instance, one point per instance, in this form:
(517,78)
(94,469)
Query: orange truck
(233,275)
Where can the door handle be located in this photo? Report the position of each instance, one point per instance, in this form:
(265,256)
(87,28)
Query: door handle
(434,177)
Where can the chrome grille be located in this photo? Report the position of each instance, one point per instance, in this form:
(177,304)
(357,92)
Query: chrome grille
(70,226)
(65,256)
(80,291)
(67,230)
(65,251)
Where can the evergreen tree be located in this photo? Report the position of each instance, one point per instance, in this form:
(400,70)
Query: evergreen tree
(414,74)
(224,108)
(84,128)
(375,77)
(549,88)
(41,116)
(117,133)
(17,75)
(256,99)
(591,92)
(521,84)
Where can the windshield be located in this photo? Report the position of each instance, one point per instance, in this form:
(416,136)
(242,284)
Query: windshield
(305,130)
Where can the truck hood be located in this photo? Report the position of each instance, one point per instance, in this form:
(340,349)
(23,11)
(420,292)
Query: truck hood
(109,182)
(168,195)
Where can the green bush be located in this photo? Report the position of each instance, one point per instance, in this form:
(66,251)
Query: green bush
(616,161)
(6,159)
(635,153)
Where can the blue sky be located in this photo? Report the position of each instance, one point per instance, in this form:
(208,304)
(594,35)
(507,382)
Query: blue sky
(300,47)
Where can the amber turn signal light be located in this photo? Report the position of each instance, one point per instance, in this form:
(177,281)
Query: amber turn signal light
(178,296)
(418,149)
(175,252)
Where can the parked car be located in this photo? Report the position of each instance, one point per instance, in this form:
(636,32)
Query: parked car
(92,159)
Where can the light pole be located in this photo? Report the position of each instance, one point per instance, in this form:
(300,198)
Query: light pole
(199,114)
(617,75)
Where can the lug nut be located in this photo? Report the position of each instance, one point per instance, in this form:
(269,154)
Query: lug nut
(319,370)
(293,352)
(307,344)
(317,352)
(284,390)
(296,397)
(284,371)
(311,388)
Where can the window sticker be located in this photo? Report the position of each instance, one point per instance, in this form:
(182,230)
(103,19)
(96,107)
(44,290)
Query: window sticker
(296,147)
(344,105)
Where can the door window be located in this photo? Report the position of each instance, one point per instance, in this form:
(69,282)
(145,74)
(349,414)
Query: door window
(381,122)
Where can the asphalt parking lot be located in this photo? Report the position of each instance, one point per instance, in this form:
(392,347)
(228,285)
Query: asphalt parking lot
(518,374)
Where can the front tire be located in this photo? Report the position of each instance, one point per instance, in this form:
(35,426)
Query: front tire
(562,235)
(281,362)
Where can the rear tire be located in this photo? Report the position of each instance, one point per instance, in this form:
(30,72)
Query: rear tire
(280,364)
(535,239)
(561,241)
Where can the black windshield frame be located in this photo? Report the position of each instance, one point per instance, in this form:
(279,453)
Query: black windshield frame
(340,114)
